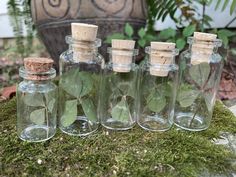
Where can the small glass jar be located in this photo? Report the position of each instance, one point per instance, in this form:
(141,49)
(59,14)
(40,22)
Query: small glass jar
(36,103)
(158,87)
(199,76)
(80,72)
(118,94)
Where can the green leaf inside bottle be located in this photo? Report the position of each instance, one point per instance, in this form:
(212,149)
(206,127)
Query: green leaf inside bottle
(70,113)
(121,111)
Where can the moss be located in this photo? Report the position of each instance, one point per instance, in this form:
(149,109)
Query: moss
(131,153)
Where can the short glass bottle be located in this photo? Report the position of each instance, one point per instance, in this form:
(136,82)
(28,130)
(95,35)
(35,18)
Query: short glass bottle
(80,72)
(199,76)
(159,76)
(118,93)
(36,102)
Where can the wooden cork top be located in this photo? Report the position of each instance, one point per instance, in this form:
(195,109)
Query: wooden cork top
(122,44)
(83,31)
(38,64)
(161,52)
(162,46)
(202,47)
(86,34)
(204,36)
(122,54)
(161,55)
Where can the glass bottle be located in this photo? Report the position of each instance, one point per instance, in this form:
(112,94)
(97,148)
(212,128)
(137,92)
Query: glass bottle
(36,100)
(199,76)
(158,87)
(119,89)
(80,71)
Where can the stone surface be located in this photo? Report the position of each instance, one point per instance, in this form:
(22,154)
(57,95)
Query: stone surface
(8,92)
(233,109)
(53,19)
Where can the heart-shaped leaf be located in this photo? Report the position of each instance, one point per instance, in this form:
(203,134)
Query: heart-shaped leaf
(126,83)
(70,113)
(141,32)
(127,88)
(121,84)
(212,81)
(38,116)
(189,30)
(51,104)
(142,42)
(121,111)
(200,73)
(187,97)
(34,99)
(165,88)
(89,109)
(155,101)
(76,83)
(180,43)
(167,33)
(129,30)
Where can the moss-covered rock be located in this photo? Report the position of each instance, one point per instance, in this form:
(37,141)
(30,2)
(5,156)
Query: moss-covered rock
(129,153)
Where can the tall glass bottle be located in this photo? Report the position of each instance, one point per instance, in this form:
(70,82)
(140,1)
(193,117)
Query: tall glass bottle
(36,100)
(80,70)
(200,72)
(158,87)
(118,103)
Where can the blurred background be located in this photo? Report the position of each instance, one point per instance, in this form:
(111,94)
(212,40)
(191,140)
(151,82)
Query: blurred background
(38,28)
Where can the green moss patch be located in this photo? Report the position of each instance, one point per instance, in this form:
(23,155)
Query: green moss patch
(129,153)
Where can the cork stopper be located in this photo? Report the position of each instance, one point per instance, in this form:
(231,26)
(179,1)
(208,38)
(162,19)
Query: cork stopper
(86,35)
(37,68)
(38,65)
(202,47)
(122,55)
(204,36)
(161,56)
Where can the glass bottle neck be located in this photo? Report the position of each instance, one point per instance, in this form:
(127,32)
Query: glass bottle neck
(203,45)
(83,48)
(38,82)
(122,60)
(83,51)
(203,50)
(37,76)
(161,57)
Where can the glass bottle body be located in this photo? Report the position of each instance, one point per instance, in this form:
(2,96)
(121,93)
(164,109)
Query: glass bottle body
(36,109)
(118,103)
(157,98)
(197,89)
(78,93)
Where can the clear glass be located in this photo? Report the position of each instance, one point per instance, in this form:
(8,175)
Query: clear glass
(36,106)
(118,103)
(157,95)
(197,87)
(79,88)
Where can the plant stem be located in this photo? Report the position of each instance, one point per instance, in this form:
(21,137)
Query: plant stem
(231,21)
(46,114)
(203,15)
(191,122)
